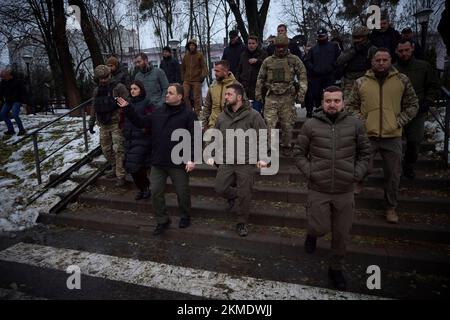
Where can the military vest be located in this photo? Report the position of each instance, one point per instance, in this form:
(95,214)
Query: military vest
(105,105)
(280,74)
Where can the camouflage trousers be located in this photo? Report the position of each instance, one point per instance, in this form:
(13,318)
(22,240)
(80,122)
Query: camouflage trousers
(280,107)
(111,141)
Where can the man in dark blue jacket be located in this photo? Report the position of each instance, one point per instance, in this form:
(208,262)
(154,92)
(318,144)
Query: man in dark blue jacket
(12,94)
(320,63)
(233,52)
(163,122)
(170,66)
(385,37)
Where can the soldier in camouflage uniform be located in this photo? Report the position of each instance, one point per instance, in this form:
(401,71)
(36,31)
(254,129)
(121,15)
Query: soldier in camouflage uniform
(106,112)
(355,61)
(386,101)
(283,77)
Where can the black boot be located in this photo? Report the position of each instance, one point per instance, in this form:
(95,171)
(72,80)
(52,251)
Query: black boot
(337,279)
(185,221)
(310,244)
(139,195)
(408,171)
(146,194)
(161,227)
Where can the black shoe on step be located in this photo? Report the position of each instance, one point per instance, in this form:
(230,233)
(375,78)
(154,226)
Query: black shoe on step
(139,195)
(310,244)
(9,133)
(337,279)
(161,227)
(146,194)
(184,222)
(21,133)
(408,172)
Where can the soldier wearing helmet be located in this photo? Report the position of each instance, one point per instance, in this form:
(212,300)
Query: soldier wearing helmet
(106,113)
(283,79)
(355,61)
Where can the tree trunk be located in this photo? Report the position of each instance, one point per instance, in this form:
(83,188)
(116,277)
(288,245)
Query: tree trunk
(65,58)
(88,33)
(256,17)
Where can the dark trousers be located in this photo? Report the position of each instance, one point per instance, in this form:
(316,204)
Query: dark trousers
(4,115)
(140,179)
(240,175)
(316,85)
(390,150)
(331,212)
(180,180)
(413,134)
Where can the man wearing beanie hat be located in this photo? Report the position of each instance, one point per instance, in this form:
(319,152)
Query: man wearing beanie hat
(170,66)
(106,112)
(232,53)
(119,75)
(193,72)
(320,61)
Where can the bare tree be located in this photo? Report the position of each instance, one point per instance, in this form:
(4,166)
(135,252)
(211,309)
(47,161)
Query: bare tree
(89,34)
(256,17)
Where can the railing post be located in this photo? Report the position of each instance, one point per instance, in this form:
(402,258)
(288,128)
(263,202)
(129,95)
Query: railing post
(446,129)
(36,158)
(83,114)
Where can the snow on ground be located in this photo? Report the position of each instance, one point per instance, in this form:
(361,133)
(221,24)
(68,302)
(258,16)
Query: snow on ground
(434,131)
(18,174)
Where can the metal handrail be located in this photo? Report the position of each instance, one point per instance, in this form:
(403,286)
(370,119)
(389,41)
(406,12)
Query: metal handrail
(446,128)
(82,105)
(33,134)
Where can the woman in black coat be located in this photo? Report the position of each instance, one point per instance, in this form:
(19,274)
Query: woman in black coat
(138,142)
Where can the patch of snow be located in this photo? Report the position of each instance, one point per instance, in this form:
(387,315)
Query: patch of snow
(19,181)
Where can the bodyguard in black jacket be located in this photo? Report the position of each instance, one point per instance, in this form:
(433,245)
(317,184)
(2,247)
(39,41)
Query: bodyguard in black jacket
(162,123)
(170,66)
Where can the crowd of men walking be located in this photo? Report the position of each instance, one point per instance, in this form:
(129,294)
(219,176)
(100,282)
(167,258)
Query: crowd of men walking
(379,107)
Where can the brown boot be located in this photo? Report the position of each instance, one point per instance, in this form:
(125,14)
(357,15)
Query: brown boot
(391,216)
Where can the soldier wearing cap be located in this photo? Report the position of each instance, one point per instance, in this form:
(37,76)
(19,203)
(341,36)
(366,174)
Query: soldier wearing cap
(106,112)
(283,77)
(355,61)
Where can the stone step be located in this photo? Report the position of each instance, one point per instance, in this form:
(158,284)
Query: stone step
(289,173)
(261,240)
(424,162)
(279,215)
(415,201)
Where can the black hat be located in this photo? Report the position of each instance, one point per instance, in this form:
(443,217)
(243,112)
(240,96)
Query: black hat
(233,33)
(407,30)
(167,48)
(322,32)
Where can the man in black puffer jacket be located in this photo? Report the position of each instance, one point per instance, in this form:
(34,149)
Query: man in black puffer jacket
(162,123)
(334,153)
